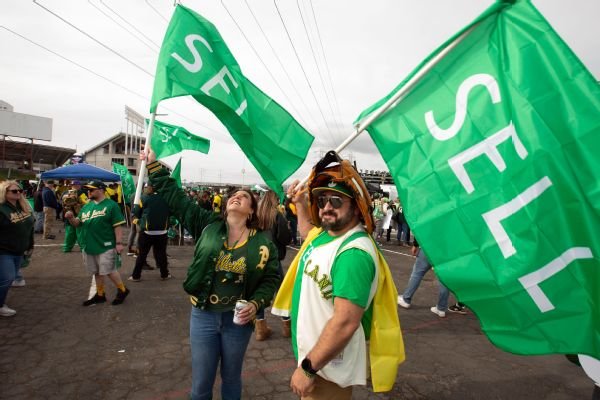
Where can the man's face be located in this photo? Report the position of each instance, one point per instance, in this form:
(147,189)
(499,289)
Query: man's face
(332,218)
(94,194)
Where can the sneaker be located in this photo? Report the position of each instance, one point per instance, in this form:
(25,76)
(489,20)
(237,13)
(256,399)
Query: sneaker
(20,283)
(120,297)
(50,237)
(132,279)
(441,314)
(457,309)
(403,303)
(166,278)
(7,312)
(95,300)
(130,253)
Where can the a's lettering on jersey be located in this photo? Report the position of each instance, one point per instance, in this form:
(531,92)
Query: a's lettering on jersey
(92,214)
(323,282)
(225,262)
(16,217)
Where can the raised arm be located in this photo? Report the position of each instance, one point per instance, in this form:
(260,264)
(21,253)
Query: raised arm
(193,217)
(299,196)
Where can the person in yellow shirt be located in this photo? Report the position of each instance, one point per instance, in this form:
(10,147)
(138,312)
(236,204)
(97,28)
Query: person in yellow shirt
(217,199)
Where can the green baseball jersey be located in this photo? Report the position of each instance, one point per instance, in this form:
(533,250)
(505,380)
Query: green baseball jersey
(98,221)
(228,283)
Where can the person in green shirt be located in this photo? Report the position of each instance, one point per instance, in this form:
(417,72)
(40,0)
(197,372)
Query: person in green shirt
(100,234)
(233,261)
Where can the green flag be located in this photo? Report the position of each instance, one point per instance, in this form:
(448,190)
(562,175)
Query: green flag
(171,139)
(194,60)
(126,181)
(495,156)
(176,173)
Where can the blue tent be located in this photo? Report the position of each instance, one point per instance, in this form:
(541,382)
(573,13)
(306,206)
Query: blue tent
(81,171)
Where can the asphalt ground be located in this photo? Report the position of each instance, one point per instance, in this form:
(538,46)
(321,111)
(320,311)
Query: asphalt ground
(56,349)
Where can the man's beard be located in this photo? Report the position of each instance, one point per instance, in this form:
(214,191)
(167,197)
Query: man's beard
(339,223)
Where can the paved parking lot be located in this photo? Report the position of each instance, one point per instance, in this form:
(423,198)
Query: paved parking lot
(56,349)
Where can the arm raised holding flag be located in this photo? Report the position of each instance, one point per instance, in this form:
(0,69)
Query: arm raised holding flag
(232,261)
(194,60)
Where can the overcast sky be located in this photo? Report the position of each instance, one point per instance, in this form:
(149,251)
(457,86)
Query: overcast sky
(369,47)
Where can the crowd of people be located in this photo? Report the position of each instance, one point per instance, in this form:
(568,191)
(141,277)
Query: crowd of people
(336,299)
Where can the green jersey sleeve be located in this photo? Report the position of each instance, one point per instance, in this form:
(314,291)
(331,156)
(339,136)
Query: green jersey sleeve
(116,214)
(352,275)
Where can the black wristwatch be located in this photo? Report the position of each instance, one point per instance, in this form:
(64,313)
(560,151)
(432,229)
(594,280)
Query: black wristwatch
(307,368)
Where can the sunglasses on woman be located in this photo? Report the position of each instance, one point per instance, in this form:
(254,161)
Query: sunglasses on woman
(15,191)
(335,201)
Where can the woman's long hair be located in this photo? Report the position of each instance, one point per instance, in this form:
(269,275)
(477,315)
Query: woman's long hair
(267,210)
(22,200)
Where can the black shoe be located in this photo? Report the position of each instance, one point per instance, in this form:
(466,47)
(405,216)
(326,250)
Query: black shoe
(457,309)
(147,267)
(95,300)
(120,297)
(166,278)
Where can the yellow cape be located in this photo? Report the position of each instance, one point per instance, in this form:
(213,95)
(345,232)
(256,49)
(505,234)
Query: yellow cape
(386,349)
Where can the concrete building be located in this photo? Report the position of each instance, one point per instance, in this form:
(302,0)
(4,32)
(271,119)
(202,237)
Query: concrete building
(122,148)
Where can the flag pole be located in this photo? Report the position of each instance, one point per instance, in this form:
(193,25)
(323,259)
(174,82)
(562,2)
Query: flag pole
(396,98)
(142,171)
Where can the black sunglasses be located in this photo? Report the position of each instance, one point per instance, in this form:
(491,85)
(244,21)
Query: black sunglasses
(335,201)
(15,191)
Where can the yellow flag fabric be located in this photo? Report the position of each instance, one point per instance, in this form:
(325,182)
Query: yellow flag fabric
(386,346)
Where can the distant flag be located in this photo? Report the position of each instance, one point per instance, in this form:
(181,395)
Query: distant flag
(126,181)
(194,60)
(176,173)
(495,155)
(170,139)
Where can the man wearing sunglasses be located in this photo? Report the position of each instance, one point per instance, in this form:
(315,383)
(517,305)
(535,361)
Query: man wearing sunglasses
(331,285)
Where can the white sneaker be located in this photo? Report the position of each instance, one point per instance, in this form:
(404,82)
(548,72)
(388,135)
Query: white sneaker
(403,303)
(441,314)
(20,283)
(7,312)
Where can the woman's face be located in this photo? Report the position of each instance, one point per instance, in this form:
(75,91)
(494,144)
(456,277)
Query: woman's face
(240,202)
(13,193)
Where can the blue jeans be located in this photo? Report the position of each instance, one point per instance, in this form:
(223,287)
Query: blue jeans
(213,338)
(9,265)
(420,268)
(39,221)
(403,234)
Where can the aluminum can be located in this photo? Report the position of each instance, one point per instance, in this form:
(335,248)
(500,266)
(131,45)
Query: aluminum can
(239,306)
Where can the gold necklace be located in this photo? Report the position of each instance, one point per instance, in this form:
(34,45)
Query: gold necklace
(238,239)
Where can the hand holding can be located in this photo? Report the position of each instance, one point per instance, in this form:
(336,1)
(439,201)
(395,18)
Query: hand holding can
(244,312)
